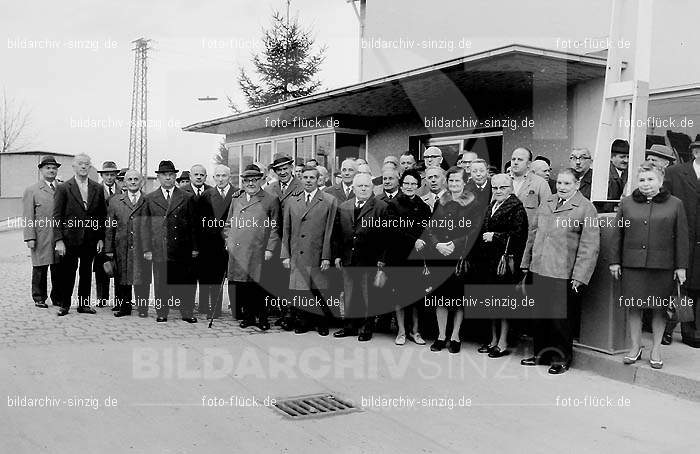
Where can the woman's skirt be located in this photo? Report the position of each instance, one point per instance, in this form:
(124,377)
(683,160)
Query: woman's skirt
(644,288)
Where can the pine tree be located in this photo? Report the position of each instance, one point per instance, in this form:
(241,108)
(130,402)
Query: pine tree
(287,66)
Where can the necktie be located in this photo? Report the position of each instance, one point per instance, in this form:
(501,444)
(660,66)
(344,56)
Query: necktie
(221,191)
(390,196)
(560,203)
(283,186)
(167,196)
(199,192)
(52,187)
(308,199)
(111,192)
(358,207)
(133,199)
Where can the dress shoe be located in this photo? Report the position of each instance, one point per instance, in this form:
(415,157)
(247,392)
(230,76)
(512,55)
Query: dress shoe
(246,323)
(417,338)
(116,307)
(189,319)
(438,345)
(485,348)
(344,332)
(322,331)
(633,359)
(301,329)
(279,321)
(454,346)
(364,336)
(161,319)
(86,310)
(559,368)
(143,314)
(656,364)
(62,311)
(123,313)
(263,325)
(41,304)
(496,352)
(692,343)
(400,339)
(287,325)
(531,361)
(667,339)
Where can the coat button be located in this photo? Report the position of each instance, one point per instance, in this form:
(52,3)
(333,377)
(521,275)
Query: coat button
(645,222)
(643,246)
(303,236)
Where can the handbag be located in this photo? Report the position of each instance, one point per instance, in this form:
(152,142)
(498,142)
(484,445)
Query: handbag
(506,263)
(380,278)
(682,308)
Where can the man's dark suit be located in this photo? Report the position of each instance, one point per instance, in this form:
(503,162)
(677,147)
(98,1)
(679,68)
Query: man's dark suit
(80,226)
(198,267)
(213,258)
(360,246)
(586,181)
(384,197)
(101,279)
(338,191)
(483,195)
(616,183)
(171,235)
(682,182)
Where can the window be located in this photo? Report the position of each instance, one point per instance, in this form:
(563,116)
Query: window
(349,146)
(247,155)
(324,150)
(304,151)
(674,121)
(264,155)
(285,147)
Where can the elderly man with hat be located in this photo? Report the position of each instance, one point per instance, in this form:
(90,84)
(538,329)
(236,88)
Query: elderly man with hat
(111,188)
(661,155)
(183,181)
(37,212)
(683,181)
(169,239)
(252,236)
(619,161)
(285,188)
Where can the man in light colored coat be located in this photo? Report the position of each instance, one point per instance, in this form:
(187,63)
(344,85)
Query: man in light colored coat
(252,236)
(531,189)
(307,230)
(561,253)
(37,210)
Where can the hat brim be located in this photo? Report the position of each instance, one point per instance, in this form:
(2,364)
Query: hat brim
(167,171)
(660,155)
(49,164)
(252,174)
(108,170)
(282,163)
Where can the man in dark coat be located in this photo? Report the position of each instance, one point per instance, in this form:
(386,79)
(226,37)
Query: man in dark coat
(681,180)
(170,240)
(580,162)
(111,187)
(79,214)
(197,187)
(276,277)
(343,191)
(37,210)
(479,182)
(390,184)
(123,243)
(359,249)
(213,208)
(619,161)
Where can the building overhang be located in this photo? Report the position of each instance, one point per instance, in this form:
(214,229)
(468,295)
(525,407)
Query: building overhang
(509,70)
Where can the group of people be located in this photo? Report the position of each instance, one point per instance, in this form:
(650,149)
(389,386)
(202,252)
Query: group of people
(409,242)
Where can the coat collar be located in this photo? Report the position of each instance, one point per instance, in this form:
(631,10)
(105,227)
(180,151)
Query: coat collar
(465,199)
(507,204)
(574,201)
(661,197)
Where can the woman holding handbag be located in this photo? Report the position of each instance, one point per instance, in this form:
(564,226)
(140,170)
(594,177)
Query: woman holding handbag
(497,254)
(452,231)
(649,253)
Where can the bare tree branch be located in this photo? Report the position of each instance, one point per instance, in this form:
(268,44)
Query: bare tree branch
(15,120)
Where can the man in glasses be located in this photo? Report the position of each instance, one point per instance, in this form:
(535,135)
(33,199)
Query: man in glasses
(252,236)
(465,161)
(580,162)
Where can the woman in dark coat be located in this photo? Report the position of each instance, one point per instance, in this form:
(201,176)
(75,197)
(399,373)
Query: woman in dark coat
(452,232)
(505,224)
(404,258)
(649,251)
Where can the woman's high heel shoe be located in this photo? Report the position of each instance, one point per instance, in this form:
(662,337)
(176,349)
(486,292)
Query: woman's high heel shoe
(656,364)
(633,359)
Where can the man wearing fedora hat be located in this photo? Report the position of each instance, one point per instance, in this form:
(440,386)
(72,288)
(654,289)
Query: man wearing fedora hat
(111,187)
(170,241)
(661,155)
(285,188)
(37,211)
(683,181)
(252,236)
(619,161)
(79,214)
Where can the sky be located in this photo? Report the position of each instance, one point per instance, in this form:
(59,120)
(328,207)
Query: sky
(78,86)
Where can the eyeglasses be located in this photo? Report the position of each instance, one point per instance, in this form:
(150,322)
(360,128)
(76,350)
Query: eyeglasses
(579,158)
(499,188)
(250,180)
(412,183)
(428,156)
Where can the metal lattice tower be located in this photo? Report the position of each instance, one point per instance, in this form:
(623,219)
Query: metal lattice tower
(138,139)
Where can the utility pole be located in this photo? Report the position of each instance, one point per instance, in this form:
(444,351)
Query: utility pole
(138,132)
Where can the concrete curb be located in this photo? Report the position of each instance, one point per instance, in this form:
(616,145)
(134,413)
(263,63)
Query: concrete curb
(637,374)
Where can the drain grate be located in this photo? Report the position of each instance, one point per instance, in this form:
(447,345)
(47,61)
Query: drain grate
(314,406)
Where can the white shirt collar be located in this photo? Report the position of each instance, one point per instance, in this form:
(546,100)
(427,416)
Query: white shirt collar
(196,190)
(172,190)
(225,189)
(696,167)
(313,194)
(392,194)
